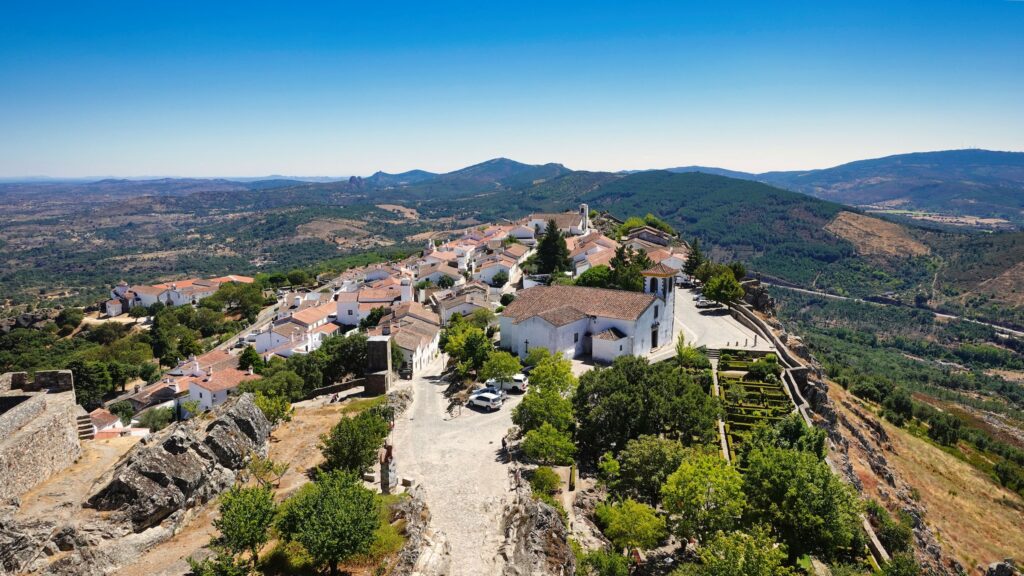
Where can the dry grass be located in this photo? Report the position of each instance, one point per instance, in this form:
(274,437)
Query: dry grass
(874,237)
(976,520)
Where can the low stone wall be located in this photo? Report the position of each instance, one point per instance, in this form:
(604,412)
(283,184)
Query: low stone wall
(45,442)
(20,415)
(12,381)
(52,380)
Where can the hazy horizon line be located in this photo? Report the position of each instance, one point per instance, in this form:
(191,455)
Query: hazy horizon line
(42,178)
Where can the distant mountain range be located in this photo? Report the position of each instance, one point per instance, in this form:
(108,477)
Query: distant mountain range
(980,183)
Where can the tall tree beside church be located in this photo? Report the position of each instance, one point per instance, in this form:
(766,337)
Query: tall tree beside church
(695,259)
(552,252)
(627,268)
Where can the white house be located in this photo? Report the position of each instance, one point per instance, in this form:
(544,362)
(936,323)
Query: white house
(569,223)
(576,321)
(212,388)
(495,265)
(463,304)
(102,419)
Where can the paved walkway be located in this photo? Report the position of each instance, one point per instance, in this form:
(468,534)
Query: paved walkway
(458,462)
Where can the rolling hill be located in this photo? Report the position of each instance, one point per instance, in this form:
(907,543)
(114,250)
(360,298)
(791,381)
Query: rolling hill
(977,183)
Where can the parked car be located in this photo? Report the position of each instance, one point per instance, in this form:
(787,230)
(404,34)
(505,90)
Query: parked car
(492,387)
(518,383)
(697,296)
(485,400)
(405,373)
(704,303)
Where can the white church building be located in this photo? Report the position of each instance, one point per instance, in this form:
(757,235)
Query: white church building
(605,324)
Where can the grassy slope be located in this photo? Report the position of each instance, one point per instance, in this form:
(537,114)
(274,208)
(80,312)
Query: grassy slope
(976,520)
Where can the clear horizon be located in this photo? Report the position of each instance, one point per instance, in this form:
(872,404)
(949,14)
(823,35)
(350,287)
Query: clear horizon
(135,90)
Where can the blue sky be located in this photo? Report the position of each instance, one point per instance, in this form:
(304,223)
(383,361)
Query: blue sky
(337,88)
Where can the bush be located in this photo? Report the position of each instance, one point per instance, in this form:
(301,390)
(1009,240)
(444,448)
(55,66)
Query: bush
(630,524)
(544,480)
(507,299)
(602,563)
(156,418)
(352,443)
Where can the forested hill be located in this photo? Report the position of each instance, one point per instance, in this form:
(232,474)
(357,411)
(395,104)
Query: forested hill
(978,183)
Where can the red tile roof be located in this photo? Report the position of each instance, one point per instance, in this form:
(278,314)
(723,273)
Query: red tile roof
(560,305)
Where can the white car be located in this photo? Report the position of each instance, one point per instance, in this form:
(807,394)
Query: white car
(518,383)
(485,400)
(703,303)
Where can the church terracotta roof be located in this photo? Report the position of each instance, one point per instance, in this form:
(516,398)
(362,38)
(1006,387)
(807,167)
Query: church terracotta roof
(559,305)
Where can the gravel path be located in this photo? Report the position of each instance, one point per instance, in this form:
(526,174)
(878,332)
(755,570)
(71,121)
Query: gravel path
(458,462)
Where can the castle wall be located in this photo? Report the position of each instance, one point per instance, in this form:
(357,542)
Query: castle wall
(38,438)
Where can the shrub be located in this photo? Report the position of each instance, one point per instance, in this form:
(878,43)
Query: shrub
(547,445)
(352,443)
(545,480)
(630,524)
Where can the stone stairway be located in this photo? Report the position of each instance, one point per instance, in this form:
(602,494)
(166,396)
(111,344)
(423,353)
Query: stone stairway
(84,424)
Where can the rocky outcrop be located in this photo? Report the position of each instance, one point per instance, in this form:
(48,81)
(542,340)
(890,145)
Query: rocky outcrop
(1004,568)
(147,496)
(536,540)
(185,468)
(425,552)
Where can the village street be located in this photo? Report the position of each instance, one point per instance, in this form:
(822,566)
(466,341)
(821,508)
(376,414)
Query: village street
(458,462)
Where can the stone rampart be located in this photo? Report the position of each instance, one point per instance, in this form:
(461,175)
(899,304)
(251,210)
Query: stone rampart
(38,437)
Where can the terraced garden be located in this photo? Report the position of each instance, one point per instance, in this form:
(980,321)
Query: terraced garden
(751,393)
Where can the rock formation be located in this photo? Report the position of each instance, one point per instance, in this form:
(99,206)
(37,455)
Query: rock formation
(145,498)
(536,540)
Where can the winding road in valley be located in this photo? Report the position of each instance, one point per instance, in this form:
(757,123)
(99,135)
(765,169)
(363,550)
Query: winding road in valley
(942,315)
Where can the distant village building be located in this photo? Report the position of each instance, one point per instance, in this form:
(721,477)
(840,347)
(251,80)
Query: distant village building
(188,291)
(568,223)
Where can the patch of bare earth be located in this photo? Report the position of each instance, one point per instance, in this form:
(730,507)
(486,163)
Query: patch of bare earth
(1007,287)
(404,212)
(874,237)
(976,520)
(294,443)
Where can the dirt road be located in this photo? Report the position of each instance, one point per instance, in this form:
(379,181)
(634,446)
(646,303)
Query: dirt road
(459,464)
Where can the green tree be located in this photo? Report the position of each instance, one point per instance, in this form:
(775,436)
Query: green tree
(501,366)
(275,408)
(246,515)
(944,428)
(138,312)
(373,318)
(92,381)
(499,279)
(190,407)
(299,278)
(544,480)
(334,519)
(599,276)
(551,372)
(631,524)
(250,358)
(543,405)
(750,554)
(627,266)
(644,465)
(689,357)
(723,288)
(149,372)
(695,259)
(704,496)
(124,410)
(547,445)
(352,443)
(552,252)
(345,355)
(445,282)
(809,508)
(469,346)
(482,318)
(68,319)
(602,563)
(631,398)
(264,471)
(156,418)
